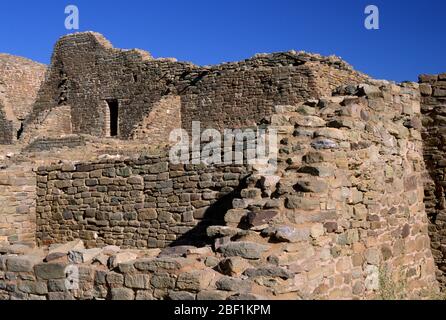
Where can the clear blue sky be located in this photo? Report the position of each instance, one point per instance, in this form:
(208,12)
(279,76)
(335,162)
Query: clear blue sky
(412,38)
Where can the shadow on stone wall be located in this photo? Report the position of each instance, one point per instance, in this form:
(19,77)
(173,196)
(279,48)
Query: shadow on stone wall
(214,216)
(434,142)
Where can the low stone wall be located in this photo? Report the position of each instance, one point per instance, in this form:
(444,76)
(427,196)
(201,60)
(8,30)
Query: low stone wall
(433,91)
(18,205)
(135,203)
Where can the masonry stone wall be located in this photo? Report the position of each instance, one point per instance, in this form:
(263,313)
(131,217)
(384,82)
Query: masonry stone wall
(18,204)
(87,73)
(433,91)
(6,128)
(240,94)
(342,217)
(136,203)
(163,119)
(20,81)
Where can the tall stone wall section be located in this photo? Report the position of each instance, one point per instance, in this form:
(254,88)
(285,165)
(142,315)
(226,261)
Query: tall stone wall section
(433,91)
(240,94)
(147,203)
(20,80)
(350,195)
(87,73)
(18,205)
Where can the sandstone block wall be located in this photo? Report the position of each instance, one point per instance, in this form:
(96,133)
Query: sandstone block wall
(6,128)
(20,81)
(138,203)
(18,204)
(240,94)
(350,195)
(342,218)
(433,91)
(163,119)
(87,73)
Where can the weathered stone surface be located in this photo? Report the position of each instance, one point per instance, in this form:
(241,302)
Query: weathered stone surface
(234,266)
(47,271)
(83,255)
(316,186)
(247,250)
(160,264)
(181,295)
(289,234)
(122,257)
(222,231)
(298,202)
(163,281)
(137,281)
(22,263)
(234,284)
(274,272)
(211,295)
(67,247)
(122,294)
(195,280)
(260,218)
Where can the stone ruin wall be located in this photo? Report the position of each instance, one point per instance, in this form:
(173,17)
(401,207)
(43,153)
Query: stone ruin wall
(137,203)
(20,80)
(18,204)
(433,91)
(86,72)
(6,128)
(241,94)
(344,211)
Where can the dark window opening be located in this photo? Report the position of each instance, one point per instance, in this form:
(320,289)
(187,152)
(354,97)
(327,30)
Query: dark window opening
(113,107)
(135,77)
(20,131)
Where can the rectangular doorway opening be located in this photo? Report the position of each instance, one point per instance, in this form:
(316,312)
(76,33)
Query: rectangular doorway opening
(113,108)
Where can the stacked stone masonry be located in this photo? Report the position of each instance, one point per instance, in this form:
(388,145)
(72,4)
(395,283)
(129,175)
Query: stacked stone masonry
(344,215)
(433,91)
(20,81)
(344,211)
(88,74)
(18,204)
(137,203)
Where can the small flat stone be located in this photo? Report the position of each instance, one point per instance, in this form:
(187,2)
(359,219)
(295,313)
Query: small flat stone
(271,271)
(259,218)
(247,250)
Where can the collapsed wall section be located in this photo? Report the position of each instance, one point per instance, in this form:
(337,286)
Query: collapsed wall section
(349,198)
(433,91)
